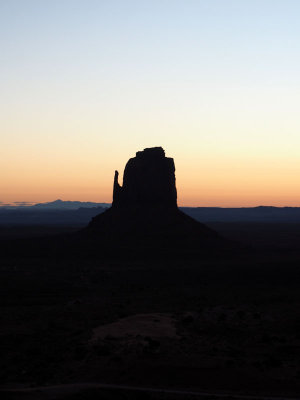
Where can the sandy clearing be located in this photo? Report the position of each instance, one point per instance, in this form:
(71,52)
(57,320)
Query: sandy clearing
(153,325)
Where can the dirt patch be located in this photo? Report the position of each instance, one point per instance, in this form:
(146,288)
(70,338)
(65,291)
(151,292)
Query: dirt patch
(153,325)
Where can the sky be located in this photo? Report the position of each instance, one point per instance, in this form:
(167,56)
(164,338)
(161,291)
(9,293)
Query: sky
(84,84)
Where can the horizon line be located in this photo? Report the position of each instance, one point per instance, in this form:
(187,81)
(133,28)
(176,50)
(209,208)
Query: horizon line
(33,203)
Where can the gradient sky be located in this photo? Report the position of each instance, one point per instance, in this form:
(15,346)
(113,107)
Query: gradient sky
(85,84)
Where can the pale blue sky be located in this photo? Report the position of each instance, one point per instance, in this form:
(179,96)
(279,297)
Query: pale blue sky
(85,84)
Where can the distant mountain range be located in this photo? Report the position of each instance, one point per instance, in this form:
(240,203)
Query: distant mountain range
(69,205)
(79,213)
(54,205)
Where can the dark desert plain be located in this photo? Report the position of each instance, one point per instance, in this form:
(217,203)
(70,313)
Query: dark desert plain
(144,302)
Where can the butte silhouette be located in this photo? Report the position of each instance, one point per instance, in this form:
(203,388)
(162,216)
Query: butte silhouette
(144,211)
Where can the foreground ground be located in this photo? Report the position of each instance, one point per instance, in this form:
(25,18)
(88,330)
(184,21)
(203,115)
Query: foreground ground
(217,325)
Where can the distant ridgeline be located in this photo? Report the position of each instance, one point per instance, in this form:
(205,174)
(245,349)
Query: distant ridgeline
(78,213)
(52,205)
(245,214)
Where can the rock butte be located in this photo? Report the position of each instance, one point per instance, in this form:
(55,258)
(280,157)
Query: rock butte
(149,180)
(144,211)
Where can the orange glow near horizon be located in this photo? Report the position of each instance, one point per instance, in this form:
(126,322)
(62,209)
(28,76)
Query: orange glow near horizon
(199,183)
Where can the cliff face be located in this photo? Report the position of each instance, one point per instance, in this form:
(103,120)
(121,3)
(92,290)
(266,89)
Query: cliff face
(149,180)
